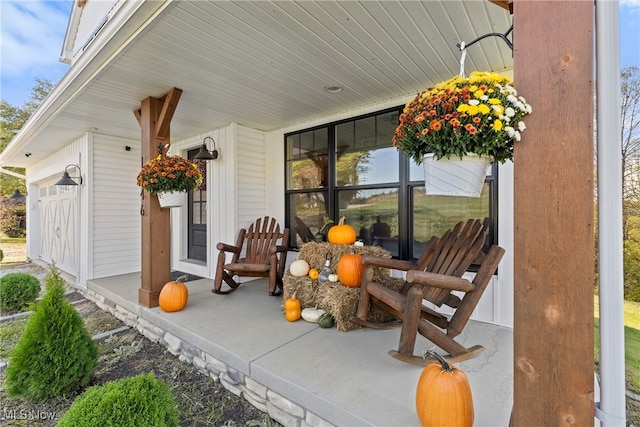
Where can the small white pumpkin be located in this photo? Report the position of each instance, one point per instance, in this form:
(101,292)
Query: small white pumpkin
(299,268)
(312,314)
(358,243)
(333,278)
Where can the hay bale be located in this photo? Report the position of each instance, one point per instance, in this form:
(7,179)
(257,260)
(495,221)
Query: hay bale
(341,301)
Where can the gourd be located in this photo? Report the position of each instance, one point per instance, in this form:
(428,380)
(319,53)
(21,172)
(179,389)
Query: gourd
(313,274)
(342,234)
(174,295)
(326,320)
(292,311)
(443,395)
(333,278)
(312,314)
(350,269)
(299,268)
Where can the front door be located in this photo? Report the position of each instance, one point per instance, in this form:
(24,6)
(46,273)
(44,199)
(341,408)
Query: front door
(197,212)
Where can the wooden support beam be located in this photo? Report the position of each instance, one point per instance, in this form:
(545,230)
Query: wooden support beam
(169,105)
(156,222)
(554,215)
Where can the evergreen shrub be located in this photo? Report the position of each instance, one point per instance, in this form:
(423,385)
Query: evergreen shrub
(137,401)
(55,355)
(18,290)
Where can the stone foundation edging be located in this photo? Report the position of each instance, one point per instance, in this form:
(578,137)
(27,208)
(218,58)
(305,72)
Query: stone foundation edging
(278,407)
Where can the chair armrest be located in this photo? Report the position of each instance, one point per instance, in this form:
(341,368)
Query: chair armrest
(277,248)
(228,248)
(394,264)
(442,281)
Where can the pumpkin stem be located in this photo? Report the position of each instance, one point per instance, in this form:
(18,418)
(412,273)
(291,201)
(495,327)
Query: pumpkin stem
(182,278)
(342,218)
(445,365)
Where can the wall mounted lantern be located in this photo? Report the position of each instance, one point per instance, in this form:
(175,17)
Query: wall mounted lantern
(204,153)
(69,180)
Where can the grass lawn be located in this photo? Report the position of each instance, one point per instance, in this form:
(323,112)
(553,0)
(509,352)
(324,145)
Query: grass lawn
(631,342)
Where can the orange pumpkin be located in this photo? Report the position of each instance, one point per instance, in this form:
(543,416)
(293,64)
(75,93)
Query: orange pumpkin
(350,269)
(342,234)
(313,274)
(292,309)
(443,395)
(174,295)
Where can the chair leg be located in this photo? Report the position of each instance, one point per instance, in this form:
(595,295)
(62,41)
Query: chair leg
(410,322)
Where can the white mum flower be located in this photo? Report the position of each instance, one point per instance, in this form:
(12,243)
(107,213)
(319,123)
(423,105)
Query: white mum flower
(529,109)
(510,131)
(520,106)
(512,99)
(473,102)
(517,136)
(484,98)
(509,112)
(521,126)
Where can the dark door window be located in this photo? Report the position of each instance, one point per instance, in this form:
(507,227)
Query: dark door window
(197,214)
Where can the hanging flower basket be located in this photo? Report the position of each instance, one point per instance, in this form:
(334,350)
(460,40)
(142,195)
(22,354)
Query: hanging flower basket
(480,114)
(167,175)
(455,177)
(171,199)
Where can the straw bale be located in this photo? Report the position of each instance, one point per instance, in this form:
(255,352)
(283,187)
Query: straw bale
(339,300)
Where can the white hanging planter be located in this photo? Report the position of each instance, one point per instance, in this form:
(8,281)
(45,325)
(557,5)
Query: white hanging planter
(455,177)
(172,199)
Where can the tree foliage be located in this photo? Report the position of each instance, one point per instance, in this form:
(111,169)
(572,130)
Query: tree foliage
(12,119)
(630,132)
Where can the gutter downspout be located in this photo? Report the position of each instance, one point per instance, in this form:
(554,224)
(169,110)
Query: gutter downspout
(12,173)
(611,409)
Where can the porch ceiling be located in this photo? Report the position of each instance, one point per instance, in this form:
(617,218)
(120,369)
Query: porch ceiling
(266,65)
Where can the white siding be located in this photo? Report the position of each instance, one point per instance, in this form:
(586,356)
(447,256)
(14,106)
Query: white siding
(116,207)
(252,176)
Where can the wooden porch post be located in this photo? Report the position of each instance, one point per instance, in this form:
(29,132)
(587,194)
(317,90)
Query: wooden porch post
(154,117)
(554,215)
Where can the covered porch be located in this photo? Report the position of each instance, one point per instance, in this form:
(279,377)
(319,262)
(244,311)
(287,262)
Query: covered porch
(298,372)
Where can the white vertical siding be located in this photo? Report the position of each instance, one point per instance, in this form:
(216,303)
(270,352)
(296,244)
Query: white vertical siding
(251,175)
(116,207)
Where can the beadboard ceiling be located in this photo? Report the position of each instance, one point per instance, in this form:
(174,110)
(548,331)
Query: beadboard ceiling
(267,64)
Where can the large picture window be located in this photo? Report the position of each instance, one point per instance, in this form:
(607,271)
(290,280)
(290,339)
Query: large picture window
(349,168)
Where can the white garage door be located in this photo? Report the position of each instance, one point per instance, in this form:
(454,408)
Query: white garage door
(58,226)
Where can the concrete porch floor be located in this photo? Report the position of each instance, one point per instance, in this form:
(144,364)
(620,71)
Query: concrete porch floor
(346,378)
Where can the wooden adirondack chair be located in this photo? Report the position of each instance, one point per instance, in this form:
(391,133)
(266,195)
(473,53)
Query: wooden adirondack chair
(265,254)
(437,273)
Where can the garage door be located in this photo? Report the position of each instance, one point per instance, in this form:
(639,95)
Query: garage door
(58,226)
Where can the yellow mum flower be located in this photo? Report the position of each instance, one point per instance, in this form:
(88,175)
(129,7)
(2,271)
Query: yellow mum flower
(478,94)
(497,125)
(484,108)
(494,101)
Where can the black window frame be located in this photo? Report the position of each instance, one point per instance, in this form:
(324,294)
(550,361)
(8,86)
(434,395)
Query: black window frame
(404,185)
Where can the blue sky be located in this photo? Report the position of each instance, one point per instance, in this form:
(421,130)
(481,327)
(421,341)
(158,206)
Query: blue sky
(32,32)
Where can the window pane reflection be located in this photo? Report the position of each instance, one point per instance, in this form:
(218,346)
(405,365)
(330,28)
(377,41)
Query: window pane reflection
(374,215)
(307,160)
(434,215)
(307,213)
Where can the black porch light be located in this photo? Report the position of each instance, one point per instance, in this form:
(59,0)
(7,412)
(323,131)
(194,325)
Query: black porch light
(69,180)
(204,153)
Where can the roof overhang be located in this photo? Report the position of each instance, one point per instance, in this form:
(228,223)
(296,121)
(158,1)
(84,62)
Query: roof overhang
(266,65)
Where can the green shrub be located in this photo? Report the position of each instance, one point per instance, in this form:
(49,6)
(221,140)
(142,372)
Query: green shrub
(55,354)
(18,290)
(139,401)
(13,220)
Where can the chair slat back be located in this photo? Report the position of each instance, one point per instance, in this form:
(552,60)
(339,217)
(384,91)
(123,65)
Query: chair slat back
(260,236)
(452,254)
